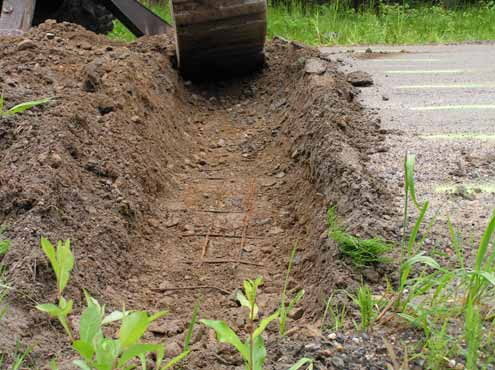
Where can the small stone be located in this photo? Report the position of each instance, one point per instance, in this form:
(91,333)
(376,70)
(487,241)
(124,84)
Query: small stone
(332,336)
(451,364)
(85,45)
(55,160)
(338,362)
(280,175)
(26,44)
(168,328)
(312,347)
(173,349)
(339,347)
(360,79)
(105,105)
(356,340)
(297,313)
(221,143)
(315,66)
(276,230)
(368,51)
(50,35)
(136,119)
(385,98)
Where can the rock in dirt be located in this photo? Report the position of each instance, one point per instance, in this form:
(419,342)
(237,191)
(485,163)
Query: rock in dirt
(360,79)
(315,66)
(26,44)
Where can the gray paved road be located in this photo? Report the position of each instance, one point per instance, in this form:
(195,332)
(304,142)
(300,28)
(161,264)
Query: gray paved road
(442,100)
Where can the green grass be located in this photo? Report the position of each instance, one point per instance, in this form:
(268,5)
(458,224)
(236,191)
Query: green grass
(337,24)
(361,252)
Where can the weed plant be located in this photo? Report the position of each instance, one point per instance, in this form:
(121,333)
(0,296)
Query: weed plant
(252,350)
(284,308)
(19,108)
(362,252)
(98,351)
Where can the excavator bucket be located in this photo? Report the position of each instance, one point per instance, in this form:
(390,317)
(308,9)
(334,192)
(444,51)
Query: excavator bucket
(16,16)
(219,37)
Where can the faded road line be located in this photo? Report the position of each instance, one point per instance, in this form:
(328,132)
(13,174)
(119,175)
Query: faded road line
(427,71)
(406,60)
(449,86)
(460,136)
(455,107)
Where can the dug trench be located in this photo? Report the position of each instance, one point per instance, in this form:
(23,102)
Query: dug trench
(172,192)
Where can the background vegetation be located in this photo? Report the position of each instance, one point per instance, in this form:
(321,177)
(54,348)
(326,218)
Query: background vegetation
(351,22)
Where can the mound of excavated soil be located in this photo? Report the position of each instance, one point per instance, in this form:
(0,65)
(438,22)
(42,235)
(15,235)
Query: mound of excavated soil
(170,191)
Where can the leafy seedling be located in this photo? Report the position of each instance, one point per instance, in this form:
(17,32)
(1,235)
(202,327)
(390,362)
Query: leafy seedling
(19,108)
(97,351)
(252,350)
(285,309)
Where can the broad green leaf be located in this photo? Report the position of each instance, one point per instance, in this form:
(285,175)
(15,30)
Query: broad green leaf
(421,258)
(89,324)
(133,327)
(53,364)
(4,247)
(50,309)
(114,316)
(81,364)
(303,361)
(227,335)
(65,306)
(176,360)
(259,353)
(245,303)
(66,263)
(265,322)
(139,349)
(19,108)
(489,276)
(85,349)
(106,354)
(49,251)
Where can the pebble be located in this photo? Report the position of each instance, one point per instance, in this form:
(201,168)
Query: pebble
(338,362)
(26,44)
(332,336)
(315,66)
(339,347)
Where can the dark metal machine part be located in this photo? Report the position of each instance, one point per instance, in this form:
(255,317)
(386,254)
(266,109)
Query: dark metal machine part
(16,17)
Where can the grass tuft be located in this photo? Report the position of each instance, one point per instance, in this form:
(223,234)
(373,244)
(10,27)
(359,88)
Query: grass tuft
(362,252)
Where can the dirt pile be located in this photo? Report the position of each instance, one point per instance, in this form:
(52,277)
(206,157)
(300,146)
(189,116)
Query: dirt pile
(171,190)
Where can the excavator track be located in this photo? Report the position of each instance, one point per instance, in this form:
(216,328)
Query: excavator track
(219,37)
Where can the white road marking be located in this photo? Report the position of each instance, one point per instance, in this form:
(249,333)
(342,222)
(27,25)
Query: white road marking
(406,60)
(460,136)
(448,86)
(470,188)
(425,72)
(455,107)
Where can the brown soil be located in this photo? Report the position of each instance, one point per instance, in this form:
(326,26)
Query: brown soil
(144,172)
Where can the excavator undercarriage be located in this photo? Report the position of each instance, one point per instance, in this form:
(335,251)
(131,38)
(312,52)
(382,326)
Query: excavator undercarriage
(213,36)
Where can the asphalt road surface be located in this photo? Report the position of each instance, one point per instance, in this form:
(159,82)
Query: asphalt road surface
(439,103)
